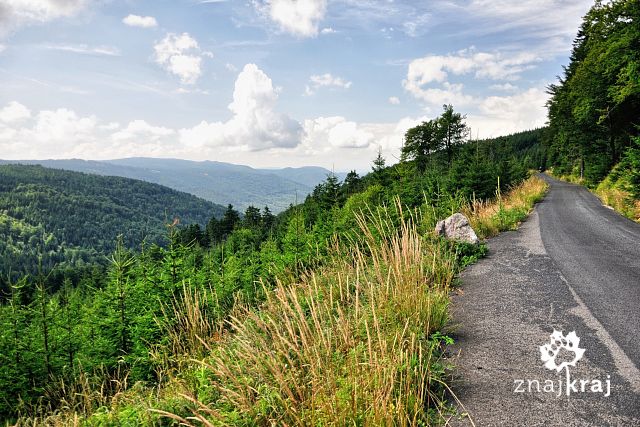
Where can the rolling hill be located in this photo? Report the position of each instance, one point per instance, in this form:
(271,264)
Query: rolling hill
(218,182)
(75,218)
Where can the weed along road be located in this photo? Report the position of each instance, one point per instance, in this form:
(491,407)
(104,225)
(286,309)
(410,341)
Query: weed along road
(548,325)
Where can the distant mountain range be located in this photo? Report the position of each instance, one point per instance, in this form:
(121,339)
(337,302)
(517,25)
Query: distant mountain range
(220,183)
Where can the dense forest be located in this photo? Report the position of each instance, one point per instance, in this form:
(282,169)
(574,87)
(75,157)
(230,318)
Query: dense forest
(71,220)
(117,324)
(594,110)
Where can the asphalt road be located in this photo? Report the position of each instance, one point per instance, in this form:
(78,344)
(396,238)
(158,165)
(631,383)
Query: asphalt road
(574,265)
(598,252)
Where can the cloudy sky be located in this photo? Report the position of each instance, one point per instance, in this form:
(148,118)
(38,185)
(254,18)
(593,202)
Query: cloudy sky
(269,83)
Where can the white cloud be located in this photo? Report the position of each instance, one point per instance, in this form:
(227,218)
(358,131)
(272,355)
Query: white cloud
(494,66)
(328,30)
(15,13)
(63,133)
(506,87)
(255,125)
(63,124)
(447,94)
(14,112)
(49,134)
(141,130)
(335,132)
(140,21)
(298,17)
(84,49)
(2,48)
(230,67)
(489,116)
(394,100)
(423,73)
(180,55)
(325,80)
(501,115)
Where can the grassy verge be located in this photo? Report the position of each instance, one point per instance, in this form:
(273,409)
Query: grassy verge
(488,218)
(355,342)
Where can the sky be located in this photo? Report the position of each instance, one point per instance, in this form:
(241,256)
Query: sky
(270,83)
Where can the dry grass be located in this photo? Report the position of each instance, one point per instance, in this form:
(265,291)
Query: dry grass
(347,345)
(489,217)
(79,399)
(619,199)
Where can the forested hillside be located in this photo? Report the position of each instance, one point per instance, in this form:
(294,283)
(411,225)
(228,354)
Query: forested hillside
(156,309)
(594,112)
(221,183)
(66,219)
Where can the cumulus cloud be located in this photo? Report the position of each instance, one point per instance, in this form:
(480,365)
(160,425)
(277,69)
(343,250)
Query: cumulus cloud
(141,130)
(336,132)
(14,112)
(47,134)
(449,93)
(63,133)
(140,21)
(424,73)
(15,13)
(180,54)
(325,80)
(394,100)
(501,115)
(484,65)
(298,17)
(255,125)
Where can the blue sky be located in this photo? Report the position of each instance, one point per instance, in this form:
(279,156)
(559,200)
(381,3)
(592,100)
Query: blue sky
(269,83)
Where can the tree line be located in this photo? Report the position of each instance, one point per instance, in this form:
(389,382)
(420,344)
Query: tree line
(594,110)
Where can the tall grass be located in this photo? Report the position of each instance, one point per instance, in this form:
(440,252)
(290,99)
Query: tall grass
(617,196)
(489,217)
(352,343)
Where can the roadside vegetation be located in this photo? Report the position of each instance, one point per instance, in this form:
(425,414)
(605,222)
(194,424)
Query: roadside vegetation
(594,112)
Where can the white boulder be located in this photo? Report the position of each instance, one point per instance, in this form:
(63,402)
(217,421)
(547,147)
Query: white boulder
(457,227)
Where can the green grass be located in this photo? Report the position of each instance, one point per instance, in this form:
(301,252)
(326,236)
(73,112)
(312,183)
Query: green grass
(488,218)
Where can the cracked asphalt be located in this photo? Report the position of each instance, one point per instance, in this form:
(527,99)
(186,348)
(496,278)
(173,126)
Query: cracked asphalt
(574,265)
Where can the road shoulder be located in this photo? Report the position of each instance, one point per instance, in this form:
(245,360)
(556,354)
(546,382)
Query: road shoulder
(508,306)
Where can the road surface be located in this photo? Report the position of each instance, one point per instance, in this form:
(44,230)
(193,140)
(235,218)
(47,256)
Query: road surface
(574,265)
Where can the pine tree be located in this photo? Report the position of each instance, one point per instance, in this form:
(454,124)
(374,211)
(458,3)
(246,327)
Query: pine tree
(378,163)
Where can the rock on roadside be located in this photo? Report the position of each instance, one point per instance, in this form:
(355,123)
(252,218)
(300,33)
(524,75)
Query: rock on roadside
(457,227)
